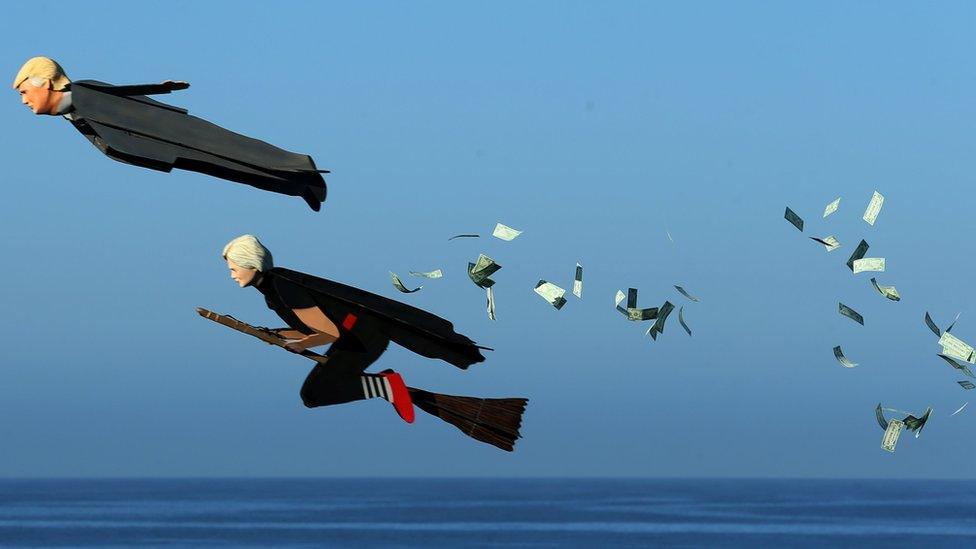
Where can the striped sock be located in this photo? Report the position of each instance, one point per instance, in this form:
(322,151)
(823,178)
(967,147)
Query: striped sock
(376,387)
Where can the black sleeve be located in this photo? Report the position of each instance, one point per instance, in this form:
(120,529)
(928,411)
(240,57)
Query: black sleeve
(293,295)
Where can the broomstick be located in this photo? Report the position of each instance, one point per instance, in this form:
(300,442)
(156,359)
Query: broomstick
(263,334)
(495,421)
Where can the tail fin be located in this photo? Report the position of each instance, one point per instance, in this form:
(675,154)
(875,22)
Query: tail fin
(495,421)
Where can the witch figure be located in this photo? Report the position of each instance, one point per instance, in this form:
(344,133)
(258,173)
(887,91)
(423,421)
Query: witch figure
(359,326)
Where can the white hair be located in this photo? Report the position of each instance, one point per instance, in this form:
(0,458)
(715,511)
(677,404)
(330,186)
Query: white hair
(248,252)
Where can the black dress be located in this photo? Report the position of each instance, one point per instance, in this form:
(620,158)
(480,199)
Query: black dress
(367,323)
(129,127)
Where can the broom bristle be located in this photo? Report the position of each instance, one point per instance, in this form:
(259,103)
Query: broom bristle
(495,421)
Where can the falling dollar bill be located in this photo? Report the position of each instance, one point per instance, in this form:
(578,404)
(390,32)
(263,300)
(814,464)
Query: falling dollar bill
(482,269)
(829,242)
(839,355)
(874,264)
(794,219)
(916,424)
(850,313)
(859,252)
(551,293)
(959,410)
(399,285)
(956,348)
(912,423)
(949,329)
(464,236)
(578,281)
(639,315)
(491,302)
(632,312)
(681,320)
(874,208)
(892,432)
(932,326)
(832,207)
(505,232)
(669,236)
(967,384)
(686,294)
(888,291)
(958,366)
(662,317)
(429,274)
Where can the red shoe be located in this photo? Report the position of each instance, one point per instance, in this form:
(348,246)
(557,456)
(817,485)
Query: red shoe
(401,396)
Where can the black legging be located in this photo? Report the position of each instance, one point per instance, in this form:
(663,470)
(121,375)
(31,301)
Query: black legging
(338,380)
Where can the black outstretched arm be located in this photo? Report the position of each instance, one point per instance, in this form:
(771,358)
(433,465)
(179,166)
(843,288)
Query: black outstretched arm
(141,89)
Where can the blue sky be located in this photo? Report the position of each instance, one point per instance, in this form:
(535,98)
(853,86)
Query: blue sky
(593,128)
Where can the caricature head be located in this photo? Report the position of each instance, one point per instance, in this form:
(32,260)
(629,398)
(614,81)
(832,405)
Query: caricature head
(41,83)
(246,257)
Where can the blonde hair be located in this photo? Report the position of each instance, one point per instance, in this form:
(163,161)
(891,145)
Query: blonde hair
(40,70)
(248,252)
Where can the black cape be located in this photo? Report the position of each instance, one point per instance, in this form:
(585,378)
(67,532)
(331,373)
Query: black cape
(351,308)
(129,127)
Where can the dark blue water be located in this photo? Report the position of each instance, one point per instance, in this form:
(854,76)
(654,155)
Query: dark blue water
(472,513)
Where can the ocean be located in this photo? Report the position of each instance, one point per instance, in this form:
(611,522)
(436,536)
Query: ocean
(488,513)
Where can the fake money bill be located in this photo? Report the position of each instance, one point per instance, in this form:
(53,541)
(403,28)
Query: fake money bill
(640,315)
(961,367)
(932,326)
(912,423)
(949,329)
(832,207)
(578,281)
(874,264)
(399,285)
(686,294)
(479,271)
(967,385)
(464,236)
(505,232)
(891,435)
(888,291)
(954,347)
(429,274)
(874,208)
(829,242)
(794,219)
(959,410)
(850,313)
(551,293)
(491,302)
(681,320)
(839,355)
(662,317)
(859,252)
(632,312)
(631,298)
